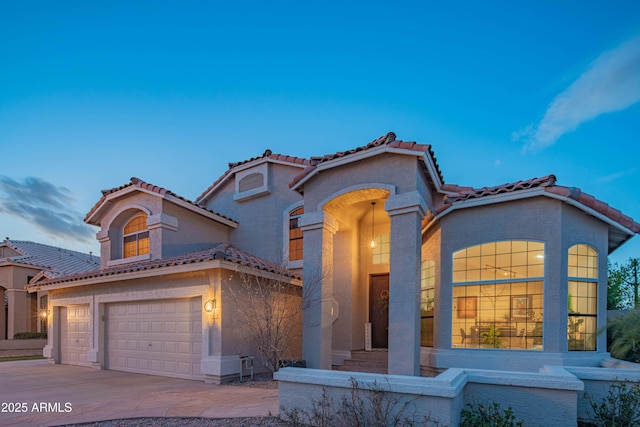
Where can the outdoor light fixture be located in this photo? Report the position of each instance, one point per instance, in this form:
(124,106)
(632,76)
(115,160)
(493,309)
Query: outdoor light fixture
(373,238)
(210,305)
(44,313)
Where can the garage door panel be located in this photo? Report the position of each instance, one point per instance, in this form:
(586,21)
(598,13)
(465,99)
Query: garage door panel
(162,337)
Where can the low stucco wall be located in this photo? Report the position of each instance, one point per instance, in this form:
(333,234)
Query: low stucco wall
(442,398)
(597,381)
(13,348)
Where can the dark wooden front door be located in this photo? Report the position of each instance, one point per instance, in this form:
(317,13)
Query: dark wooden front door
(379,310)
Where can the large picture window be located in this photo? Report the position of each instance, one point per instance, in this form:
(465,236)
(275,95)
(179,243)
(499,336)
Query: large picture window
(498,295)
(583,298)
(427,300)
(136,237)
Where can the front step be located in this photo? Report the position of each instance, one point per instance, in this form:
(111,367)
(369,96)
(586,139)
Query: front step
(375,362)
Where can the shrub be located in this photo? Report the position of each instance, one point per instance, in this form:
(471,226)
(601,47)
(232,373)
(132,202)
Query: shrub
(619,408)
(30,335)
(490,415)
(361,407)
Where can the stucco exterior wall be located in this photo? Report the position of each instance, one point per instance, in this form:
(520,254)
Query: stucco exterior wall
(261,231)
(173,230)
(195,232)
(541,219)
(22,313)
(399,171)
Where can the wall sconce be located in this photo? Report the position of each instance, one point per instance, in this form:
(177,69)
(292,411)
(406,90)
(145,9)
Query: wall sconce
(210,305)
(44,313)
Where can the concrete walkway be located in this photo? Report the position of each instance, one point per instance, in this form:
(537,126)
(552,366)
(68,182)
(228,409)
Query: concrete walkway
(51,395)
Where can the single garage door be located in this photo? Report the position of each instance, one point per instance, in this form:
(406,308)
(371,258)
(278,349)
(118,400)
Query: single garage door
(74,335)
(162,337)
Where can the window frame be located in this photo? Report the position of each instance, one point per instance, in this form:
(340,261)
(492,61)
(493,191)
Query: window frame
(515,270)
(588,319)
(138,239)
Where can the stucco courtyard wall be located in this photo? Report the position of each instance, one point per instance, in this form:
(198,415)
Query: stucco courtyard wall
(554,396)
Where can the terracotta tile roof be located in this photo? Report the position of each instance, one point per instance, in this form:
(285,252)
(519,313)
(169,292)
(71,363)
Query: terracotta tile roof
(464,193)
(222,251)
(136,182)
(54,261)
(267,154)
(388,140)
(548,185)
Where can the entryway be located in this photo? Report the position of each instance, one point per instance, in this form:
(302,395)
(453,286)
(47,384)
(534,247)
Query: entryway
(379,310)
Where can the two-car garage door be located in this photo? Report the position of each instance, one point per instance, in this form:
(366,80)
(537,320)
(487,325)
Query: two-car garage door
(162,337)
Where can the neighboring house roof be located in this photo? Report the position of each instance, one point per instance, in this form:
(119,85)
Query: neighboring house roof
(268,155)
(137,184)
(53,261)
(221,251)
(386,143)
(621,226)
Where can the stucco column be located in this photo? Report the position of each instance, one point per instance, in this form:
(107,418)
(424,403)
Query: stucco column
(406,211)
(318,229)
(18,312)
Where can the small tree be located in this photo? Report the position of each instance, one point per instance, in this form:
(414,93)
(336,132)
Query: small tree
(624,335)
(269,310)
(622,286)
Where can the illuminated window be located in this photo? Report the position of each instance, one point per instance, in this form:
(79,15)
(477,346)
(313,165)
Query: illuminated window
(295,235)
(381,251)
(583,298)
(498,295)
(136,237)
(427,287)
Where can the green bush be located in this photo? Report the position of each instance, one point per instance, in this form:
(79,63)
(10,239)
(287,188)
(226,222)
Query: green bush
(619,408)
(490,415)
(30,336)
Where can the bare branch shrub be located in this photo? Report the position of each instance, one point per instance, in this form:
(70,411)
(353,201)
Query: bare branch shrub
(269,310)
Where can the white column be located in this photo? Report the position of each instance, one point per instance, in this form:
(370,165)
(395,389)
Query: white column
(317,291)
(406,211)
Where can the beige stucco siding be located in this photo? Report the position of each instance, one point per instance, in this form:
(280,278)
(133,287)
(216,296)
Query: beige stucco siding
(262,218)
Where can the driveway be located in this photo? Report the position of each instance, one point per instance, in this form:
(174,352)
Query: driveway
(51,395)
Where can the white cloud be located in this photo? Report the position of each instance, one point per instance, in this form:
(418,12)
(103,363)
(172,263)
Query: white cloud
(617,175)
(611,83)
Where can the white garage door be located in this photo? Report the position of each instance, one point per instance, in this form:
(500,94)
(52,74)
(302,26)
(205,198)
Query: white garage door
(74,335)
(162,337)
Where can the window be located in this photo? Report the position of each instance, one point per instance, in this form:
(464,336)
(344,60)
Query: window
(498,295)
(381,250)
(583,298)
(136,237)
(295,235)
(427,287)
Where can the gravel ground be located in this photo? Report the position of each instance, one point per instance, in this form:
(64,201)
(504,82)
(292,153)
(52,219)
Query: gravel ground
(187,422)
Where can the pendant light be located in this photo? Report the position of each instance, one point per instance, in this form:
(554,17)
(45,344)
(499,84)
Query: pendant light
(373,236)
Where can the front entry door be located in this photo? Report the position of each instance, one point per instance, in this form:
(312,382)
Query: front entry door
(379,310)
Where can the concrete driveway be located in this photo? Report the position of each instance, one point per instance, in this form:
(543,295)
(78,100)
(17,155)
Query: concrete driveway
(49,395)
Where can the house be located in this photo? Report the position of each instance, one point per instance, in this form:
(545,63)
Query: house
(391,257)
(22,261)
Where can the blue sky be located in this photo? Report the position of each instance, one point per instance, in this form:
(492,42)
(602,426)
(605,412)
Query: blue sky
(93,93)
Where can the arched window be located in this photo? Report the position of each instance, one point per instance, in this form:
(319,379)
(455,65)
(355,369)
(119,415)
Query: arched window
(295,235)
(136,237)
(583,298)
(498,295)
(427,294)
